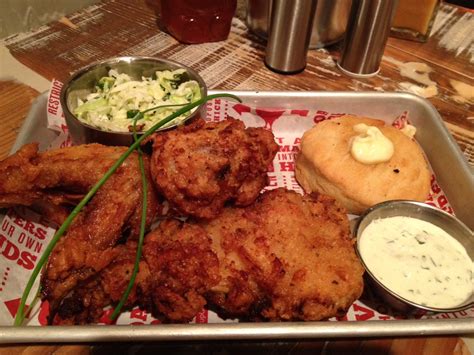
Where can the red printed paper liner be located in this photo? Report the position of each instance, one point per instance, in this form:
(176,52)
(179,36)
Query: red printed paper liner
(24,235)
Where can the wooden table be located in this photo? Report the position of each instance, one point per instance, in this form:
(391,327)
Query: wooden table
(130,27)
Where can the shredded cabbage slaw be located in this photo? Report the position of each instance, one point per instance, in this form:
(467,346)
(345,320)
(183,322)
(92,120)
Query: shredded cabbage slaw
(117,98)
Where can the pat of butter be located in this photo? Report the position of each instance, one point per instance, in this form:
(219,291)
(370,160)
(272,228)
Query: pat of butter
(370,146)
(409,130)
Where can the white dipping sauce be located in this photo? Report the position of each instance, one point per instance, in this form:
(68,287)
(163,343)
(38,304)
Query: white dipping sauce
(418,261)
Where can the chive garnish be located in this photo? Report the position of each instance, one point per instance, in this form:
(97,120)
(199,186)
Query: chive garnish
(134,115)
(141,237)
(138,115)
(20,315)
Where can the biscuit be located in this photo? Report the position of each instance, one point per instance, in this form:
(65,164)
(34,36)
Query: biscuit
(325,164)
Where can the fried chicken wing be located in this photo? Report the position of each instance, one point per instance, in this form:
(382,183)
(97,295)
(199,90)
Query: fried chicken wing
(177,268)
(29,176)
(32,178)
(87,301)
(201,167)
(286,257)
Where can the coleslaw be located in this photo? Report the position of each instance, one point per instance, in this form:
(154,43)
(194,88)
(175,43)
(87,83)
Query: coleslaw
(117,99)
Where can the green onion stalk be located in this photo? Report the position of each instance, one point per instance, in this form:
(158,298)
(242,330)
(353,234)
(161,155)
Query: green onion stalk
(21,314)
(141,236)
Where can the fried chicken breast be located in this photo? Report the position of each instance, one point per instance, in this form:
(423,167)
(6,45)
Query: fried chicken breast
(286,257)
(201,167)
(88,246)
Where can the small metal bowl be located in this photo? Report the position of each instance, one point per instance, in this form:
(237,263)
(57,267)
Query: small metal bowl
(84,80)
(424,212)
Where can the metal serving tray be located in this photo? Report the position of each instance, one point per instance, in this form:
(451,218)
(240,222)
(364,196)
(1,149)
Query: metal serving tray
(452,172)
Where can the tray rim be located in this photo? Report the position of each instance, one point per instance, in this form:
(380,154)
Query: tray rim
(235,331)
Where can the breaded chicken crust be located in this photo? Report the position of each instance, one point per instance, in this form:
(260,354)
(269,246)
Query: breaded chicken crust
(286,257)
(201,167)
(29,177)
(183,267)
(177,268)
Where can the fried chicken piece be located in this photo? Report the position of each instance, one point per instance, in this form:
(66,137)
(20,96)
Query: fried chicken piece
(177,268)
(84,306)
(200,167)
(286,257)
(87,301)
(55,175)
(32,178)
(183,266)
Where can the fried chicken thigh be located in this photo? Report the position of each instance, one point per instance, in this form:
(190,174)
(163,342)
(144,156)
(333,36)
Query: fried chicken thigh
(286,257)
(29,177)
(201,167)
(184,267)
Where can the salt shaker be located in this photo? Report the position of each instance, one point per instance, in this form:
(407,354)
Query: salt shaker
(290,31)
(366,36)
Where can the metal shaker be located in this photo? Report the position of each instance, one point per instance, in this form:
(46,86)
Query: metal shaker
(329,24)
(290,32)
(366,36)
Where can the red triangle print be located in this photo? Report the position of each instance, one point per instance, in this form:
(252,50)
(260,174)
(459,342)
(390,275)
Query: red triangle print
(240,108)
(105,318)
(13,305)
(365,313)
(269,117)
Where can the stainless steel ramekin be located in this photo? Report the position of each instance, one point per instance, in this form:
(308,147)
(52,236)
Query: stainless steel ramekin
(83,81)
(423,211)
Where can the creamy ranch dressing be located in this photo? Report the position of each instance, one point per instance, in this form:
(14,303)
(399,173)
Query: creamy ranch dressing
(417,260)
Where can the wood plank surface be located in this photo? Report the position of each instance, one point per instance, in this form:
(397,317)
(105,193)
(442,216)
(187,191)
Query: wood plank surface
(15,102)
(131,27)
